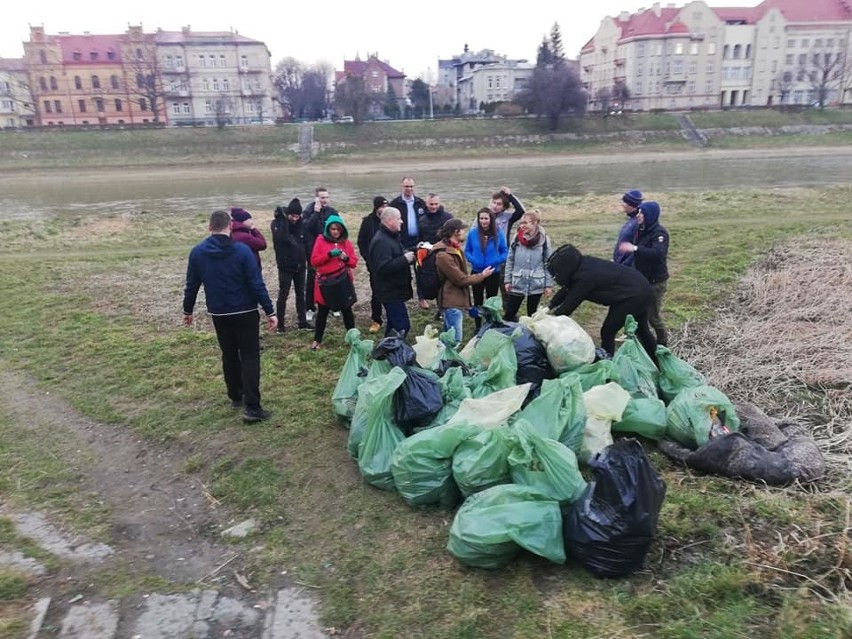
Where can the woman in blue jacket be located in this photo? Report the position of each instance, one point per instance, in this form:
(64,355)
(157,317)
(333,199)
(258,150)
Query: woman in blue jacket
(485,246)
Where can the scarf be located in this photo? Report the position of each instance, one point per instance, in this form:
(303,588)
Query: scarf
(529,242)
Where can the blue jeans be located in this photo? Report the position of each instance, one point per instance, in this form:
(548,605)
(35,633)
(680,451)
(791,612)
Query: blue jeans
(398,320)
(453,320)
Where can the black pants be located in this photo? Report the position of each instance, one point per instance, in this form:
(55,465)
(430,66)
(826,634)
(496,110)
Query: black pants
(297,281)
(513,305)
(489,287)
(309,289)
(375,304)
(239,339)
(322,319)
(614,321)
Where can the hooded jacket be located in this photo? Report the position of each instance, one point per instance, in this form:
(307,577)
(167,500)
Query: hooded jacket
(366,232)
(587,278)
(250,237)
(327,264)
(455,280)
(495,253)
(231,277)
(525,269)
(653,243)
(290,242)
(391,271)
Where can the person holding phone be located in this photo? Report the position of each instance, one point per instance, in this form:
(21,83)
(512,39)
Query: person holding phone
(316,214)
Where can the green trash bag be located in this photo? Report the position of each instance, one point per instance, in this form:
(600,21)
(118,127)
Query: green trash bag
(636,371)
(380,434)
(353,373)
(675,374)
(699,413)
(494,362)
(378,368)
(604,405)
(454,391)
(559,411)
(493,526)
(544,464)
(422,466)
(643,416)
(595,374)
(449,355)
(482,461)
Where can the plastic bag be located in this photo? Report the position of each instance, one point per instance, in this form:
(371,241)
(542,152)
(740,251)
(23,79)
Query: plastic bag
(568,345)
(378,368)
(449,357)
(427,347)
(494,362)
(544,464)
(481,461)
(422,466)
(604,405)
(493,526)
(454,391)
(418,401)
(675,374)
(395,350)
(595,374)
(380,436)
(610,528)
(643,416)
(637,373)
(699,413)
(353,373)
(559,411)
(493,410)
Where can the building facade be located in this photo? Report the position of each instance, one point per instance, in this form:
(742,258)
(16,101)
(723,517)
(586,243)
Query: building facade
(380,79)
(477,77)
(696,56)
(16,108)
(174,78)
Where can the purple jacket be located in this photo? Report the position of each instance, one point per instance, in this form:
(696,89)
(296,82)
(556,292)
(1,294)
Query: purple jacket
(251,237)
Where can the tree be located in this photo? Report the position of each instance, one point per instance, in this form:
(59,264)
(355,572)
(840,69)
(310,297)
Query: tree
(555,88)
(620,94)
(824,69)
(419,96)
(783,82)
(301,89)
(603,97)
(145,85)
(352,98)
(391,106)
(222,110)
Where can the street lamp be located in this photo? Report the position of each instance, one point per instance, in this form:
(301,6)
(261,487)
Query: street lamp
(431,112)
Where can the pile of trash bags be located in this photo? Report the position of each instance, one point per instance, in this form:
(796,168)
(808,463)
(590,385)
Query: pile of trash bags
(517,428)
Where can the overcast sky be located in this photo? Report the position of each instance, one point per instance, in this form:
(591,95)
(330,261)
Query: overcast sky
(411,36)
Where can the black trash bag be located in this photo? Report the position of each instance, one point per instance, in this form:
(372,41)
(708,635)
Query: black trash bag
(446,364)
(396,350)
(417,401)
(533,365)
(610,528)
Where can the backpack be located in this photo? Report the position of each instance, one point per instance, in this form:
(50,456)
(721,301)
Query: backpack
(426,273)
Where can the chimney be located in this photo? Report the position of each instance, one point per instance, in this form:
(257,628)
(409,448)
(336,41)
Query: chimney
(624,16)
(656,9)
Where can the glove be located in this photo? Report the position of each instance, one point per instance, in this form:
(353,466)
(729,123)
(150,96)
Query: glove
(344,257)
(334,252)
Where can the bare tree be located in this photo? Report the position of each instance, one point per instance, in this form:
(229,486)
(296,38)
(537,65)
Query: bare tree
(222,108)
(620,94)
(352,98)
(824,69)
(302,89)
(603,97)
(145,85)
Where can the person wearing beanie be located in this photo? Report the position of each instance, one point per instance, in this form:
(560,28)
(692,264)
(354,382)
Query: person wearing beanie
(622,288)
(630,202)
(525,275)
(454,294)
(243,230)
(369,227)
(290,241)
(651,249)
(332,254)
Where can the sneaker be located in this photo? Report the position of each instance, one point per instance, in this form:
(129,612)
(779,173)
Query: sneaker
(424,304)
(309,316)
(335,313)
(307,326)
(315,346)
(375,327)
(256,415)
(280,330)
(236,404)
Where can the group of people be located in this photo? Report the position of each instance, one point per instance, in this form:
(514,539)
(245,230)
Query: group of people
(313,252)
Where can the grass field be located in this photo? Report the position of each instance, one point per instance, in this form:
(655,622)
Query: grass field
(95,318)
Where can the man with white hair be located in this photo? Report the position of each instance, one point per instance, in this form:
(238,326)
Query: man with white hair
(391,263)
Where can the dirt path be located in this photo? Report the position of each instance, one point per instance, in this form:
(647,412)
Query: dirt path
(163,523)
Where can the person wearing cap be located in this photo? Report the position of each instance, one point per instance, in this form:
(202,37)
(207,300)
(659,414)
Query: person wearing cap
(651,249)
(243,230)
(454,295)
(369,227)
(525,274)
(289,239)
(332,253)
(233,288)
(630,202)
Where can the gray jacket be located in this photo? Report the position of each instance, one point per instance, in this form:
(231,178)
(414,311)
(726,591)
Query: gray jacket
(525,267)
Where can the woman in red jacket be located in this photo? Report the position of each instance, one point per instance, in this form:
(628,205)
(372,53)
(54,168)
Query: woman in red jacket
(333,252)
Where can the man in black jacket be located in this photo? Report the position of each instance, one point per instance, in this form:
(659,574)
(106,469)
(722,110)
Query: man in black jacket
(289,237)
(651,252)
(622,288)
(412,209)
(391,262)
(369,227)
(315,215)
(433,219)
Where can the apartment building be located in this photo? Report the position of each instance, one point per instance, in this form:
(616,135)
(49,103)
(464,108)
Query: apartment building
(16,108)
(697,56)
(175,78)
(484,76)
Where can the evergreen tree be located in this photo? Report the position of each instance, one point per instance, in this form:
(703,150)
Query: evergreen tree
(556,49)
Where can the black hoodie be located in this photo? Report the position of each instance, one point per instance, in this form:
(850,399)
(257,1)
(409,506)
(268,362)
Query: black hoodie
(290,242)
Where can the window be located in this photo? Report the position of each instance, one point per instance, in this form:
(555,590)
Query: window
(201,60)
(640,50)
(711,48)
(7,105)
(118,105)
(139,55)
(244,62)
(748,52)
(797,96)
(205,84)
(639,69)
(208,107)
(678,48)
(186,108)
(638,89)
(110,54)
(818,43)
(96,83)
(725,52)
(81,106)
(42,56)
(221,60)
(711,68)
(791,43)
(737,51)
(211,60)
(226,86)
(176,108)
(77,55)
(173,85)
(693,68)
(677,66)
(57,106)
(708,86)
(490,82)
(53,84)
(693,48)
(774,66)
(803,59)
(99,105)
(215,84)
(690,88)
(746,72)
(816,59)
(42,83)
(143,104)
(789,59)
(93,55)
(805,43)
(47,108)
(78,82)
(829,42)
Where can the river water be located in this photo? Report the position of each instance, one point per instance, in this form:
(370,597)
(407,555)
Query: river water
(353,191)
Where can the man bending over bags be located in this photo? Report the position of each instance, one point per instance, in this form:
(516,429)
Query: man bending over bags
(622,288)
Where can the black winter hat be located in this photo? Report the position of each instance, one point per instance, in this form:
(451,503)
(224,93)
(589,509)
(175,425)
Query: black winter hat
(632,198)
(378,202)
(294,208)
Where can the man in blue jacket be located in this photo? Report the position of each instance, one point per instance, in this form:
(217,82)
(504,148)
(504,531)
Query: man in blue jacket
(233,286)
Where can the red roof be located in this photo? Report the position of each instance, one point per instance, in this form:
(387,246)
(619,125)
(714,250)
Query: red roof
(649,23)
(359,67)
(86,45)
(749,15)
(678,27)
(811,10)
